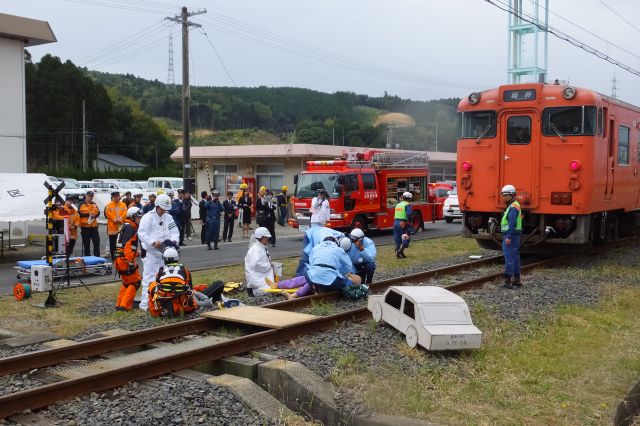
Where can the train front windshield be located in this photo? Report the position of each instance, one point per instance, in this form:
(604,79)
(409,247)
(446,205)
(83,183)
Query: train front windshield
(309,183)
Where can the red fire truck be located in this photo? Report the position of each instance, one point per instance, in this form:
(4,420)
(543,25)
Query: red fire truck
(364,188)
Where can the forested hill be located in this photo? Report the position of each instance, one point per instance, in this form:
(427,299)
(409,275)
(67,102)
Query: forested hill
(304,115)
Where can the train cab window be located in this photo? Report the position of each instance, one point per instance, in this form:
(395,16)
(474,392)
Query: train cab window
(393,299)
(569,121)
(478,124)
(408,309)
(369,181)
(623,145)
(519,130)
(599,128)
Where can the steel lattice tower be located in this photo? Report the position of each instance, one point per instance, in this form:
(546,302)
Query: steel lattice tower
(171,78)
(525,55)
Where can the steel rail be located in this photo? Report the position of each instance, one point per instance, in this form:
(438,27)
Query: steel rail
(48,394)
(47,357)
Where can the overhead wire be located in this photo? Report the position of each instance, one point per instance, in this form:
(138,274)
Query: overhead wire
(128,5)
(268,39)
(619,15)
(563,36)
(153,43)
(224,67)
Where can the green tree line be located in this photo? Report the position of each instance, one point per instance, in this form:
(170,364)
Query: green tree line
(115,122)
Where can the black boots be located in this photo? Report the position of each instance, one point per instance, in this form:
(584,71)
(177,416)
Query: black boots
(507,283)
(215,246)
(516,281)
(400,253)
(209,246)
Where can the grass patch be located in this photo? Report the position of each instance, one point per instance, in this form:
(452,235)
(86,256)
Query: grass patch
(571,367)
(72,318)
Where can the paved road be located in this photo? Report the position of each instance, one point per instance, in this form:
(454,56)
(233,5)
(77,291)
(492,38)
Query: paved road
(197,256)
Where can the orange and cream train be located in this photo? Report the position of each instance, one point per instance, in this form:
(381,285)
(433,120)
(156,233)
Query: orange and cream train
(571,153)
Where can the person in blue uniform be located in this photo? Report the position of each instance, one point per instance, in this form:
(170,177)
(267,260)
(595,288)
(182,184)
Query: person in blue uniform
(363,255)
(214,209)
(511,228)
(312,237)
(401,216)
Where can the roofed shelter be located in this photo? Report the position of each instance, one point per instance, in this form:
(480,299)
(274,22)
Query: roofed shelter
(16,33)
(223,167)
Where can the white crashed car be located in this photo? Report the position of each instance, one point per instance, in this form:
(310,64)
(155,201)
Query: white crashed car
(429,316)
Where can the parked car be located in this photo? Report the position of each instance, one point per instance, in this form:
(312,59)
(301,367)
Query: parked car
(164,183)
(429,316)
(451,208)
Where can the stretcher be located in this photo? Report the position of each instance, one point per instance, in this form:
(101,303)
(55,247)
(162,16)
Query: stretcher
(83,265)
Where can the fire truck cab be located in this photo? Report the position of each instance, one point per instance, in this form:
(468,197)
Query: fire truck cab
(363,189)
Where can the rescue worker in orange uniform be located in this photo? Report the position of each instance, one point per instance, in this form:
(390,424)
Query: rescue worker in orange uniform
(89,213)
(172,291)
(126,252)
(115,212)
(69,213)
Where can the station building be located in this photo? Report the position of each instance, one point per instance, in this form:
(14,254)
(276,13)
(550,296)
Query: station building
(16,33)
(224,167)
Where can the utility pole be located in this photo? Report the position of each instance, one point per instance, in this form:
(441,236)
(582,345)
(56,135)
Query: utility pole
(84,139)
(183,19)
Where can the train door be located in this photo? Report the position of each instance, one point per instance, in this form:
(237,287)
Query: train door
(610,179)
(519,160)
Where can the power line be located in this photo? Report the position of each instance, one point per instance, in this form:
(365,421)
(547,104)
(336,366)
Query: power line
(586,30)
(275,41)
(133,5)
(145,47)
(563,36)
(619,15)
(224,67)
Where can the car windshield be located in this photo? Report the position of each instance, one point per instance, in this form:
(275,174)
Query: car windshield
(127,185)
(441,192)
(309,183)
(443,314)
(176,183)
(71,185)
(454,192)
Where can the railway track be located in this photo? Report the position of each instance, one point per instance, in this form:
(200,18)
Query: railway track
(163,360)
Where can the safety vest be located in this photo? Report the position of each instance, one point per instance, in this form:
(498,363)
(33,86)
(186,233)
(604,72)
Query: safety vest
(174,281)
(401,210)
(504,225)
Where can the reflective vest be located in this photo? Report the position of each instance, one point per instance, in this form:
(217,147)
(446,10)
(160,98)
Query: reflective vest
(174,280)
(504,225)
(401,210)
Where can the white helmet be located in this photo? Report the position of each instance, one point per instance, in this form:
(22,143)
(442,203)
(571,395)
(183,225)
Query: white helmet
(170,255)
(163,201)
(407,194)
(508,189)
(357,234)
(345,243)
(261,232)
(133,212)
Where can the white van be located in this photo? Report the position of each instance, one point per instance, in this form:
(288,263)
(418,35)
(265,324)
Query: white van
(155,184)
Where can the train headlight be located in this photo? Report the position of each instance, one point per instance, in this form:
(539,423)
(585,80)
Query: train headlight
(569,92)
(466,166)
(474,98)
(575,165)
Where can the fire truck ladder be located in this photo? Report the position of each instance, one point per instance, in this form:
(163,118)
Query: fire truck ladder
(400,160)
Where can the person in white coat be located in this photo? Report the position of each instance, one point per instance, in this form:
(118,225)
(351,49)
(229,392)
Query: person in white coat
(257,263)
(320,210)
(157,230)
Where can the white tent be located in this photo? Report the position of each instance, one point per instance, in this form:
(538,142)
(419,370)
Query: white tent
(22,196)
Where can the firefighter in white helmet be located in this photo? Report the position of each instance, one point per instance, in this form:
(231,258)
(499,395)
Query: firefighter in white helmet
(511,228)
(157,231)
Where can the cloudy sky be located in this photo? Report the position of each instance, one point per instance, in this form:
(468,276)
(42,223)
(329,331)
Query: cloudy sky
(419,49)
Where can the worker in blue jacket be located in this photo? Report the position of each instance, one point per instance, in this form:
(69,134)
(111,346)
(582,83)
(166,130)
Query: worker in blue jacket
(511,228)
(214,209)
(312,237)
(329,268)
(363,255)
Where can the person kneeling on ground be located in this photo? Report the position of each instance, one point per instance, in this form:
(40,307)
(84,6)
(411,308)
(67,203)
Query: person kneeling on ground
(126,252)
(363,255)
(257,263)
(172,291)
(329,269)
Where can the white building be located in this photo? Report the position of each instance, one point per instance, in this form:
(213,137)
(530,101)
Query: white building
(16,33)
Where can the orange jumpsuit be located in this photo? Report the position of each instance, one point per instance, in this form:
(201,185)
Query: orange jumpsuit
(172,292)
(125,264)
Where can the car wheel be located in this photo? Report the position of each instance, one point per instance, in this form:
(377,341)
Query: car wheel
(412,336)
(377,312)
(448,219)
